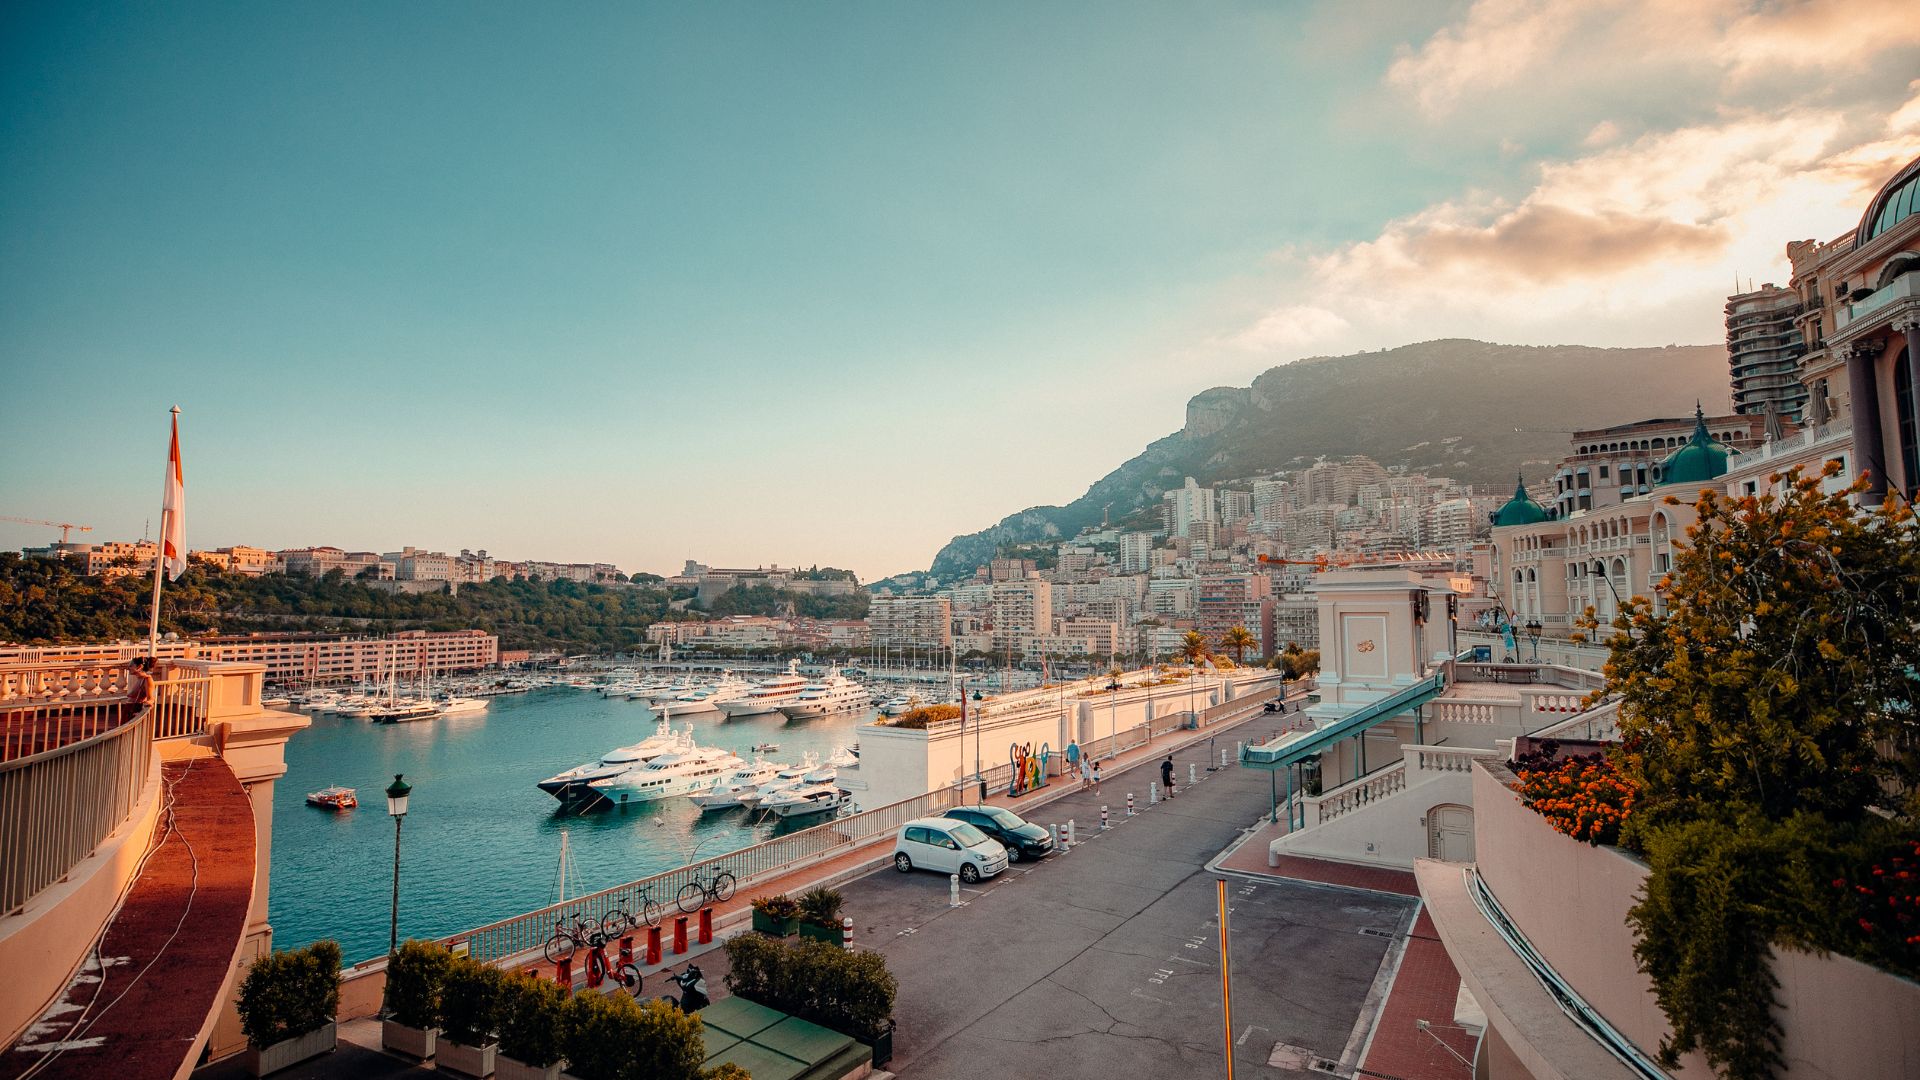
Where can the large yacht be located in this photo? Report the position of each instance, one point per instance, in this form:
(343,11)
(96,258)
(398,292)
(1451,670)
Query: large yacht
(805,799)
(403,710)
(572,785)
(706,698)
(788,776)
(769,696)
(837,694)
(684,772)
(739,787)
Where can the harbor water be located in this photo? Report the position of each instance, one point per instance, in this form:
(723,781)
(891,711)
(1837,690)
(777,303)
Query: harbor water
(480,841)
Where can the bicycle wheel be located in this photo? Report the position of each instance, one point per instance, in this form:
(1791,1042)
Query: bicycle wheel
(722,890)
(559,948)
(650,911)
(629,976)
(616,923)
(691,897)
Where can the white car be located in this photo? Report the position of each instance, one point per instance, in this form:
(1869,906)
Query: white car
(949,846)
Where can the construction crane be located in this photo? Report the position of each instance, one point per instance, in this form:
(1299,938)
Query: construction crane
(64,526)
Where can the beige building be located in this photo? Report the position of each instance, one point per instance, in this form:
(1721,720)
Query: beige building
(319,561)
(1020,610)
(911,622)
(1763,352)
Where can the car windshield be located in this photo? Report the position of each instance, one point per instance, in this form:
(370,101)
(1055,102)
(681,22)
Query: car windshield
(1006,819)
(968,835)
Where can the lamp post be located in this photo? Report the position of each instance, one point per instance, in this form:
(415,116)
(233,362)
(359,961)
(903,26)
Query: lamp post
(1113,717)
(397,793)
(1533,637)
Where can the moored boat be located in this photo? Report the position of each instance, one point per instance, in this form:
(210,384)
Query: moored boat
(333,798)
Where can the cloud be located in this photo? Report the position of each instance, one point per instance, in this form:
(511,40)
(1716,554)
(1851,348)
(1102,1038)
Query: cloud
(1290,327)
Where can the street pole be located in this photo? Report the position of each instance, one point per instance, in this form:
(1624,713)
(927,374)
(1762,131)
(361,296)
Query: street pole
(1226,974)
(393,927)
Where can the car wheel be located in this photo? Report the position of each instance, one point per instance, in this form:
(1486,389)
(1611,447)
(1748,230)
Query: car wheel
(970,874)
(902,863)
(1013,853)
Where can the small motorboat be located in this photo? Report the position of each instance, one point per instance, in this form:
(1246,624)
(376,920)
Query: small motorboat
(765,747)
(333,798)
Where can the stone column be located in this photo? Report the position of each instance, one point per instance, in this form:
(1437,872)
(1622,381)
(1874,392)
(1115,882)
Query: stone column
(1863,391)
(1909,325)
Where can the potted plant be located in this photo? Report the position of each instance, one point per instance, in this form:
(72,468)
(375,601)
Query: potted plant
(614,1037)
(777,915)
(287,1005)
(530,1028)
(415,974)
(820,915)
(469,1017)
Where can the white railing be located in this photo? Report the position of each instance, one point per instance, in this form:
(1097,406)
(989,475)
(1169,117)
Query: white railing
(1555,704)
(28,684)
(1447,759)
(1355,794)
(1599,724)
(1468,712)
(179,706)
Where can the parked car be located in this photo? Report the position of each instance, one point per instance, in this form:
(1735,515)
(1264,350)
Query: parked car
(1021,838)
(949,846)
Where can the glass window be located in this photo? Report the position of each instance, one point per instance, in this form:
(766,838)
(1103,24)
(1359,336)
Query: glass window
(1909,435)
(1006,819)
(968,835)
(916,836)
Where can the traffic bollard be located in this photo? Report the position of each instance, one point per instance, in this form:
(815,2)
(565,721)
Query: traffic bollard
(953,897)
(626,950)
(846,932)
(1059,837)
(679,934)
(1103,819)
(1239,751)
(563,973)
(1153,792)
(706,926)
(1070,839)
(1193,773)
(1129,804)
(653,945)
(1223,759)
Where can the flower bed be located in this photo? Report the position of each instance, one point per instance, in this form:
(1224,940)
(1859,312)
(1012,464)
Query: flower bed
(1582,796)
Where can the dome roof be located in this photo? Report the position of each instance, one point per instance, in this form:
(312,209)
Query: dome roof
(1521,509)
(1702,459)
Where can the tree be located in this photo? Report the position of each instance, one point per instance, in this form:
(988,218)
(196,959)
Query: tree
(1768,726)
(1194,647)
(1237,640)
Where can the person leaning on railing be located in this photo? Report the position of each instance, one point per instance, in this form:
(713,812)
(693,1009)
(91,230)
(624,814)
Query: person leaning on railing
(139,680)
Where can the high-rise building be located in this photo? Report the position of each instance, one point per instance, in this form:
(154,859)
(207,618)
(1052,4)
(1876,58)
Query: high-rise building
(1189,505)
(1020,610)
(1764,348)
(1136,552)
(1224,601)
(911,622)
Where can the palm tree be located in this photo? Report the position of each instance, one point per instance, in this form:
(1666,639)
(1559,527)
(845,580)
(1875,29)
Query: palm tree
(1238,640)
(1194,647)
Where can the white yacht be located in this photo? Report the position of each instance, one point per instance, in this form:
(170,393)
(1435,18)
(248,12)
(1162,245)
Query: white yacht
(894,706)
(844,757)
(706,698)
(805,799)
(453,705)
(738,787)
(403,710)
(837,694)
(769,696)
(788,776)
(572,785)
(684,772)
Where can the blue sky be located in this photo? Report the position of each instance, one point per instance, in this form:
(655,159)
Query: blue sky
(830,283)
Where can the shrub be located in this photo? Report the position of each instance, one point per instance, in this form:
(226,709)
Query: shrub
(918,719)
(613,1037)
(530,1019)
(470,1002)
(821,906)
(1583,797)
(778,906)
(415,976)
(290,993)
(850,992)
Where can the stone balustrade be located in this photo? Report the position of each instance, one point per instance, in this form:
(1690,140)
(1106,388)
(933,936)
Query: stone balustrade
(1368,789)
(42,683)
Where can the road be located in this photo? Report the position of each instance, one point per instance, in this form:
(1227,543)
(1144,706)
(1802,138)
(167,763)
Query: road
(1104,960)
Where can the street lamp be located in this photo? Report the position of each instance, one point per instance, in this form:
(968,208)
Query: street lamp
(1113,717)
(978,715)
(1533,637)
(397,793)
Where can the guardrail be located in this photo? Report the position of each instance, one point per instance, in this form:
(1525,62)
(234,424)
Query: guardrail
(26,684)
(179,706)
(57,805)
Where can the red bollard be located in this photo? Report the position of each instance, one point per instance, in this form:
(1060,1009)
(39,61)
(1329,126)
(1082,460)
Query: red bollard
(563,973)
(653,945)
(595,976)
(706,926)
(679,934)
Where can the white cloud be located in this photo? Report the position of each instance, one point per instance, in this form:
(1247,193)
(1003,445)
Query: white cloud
(1290,327)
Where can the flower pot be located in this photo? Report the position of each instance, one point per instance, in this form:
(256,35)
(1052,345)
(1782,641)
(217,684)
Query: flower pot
(506,1068)
(412,1041)
(832,935)
(476,1061)
(271,1059)
(882,1046)
(772,925)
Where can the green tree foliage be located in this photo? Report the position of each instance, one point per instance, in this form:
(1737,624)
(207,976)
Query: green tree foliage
(767,600)
(290,993)
(851,992)
(614,1037)
(530,1019)
(1767,719)
(1295,662)
(1194,647)
(1237,640)
(415,977)
(44,601)
(470,1001)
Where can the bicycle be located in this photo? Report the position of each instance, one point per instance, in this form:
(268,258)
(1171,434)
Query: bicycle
(694,895)
(618,920)
(567,939)
(599,967)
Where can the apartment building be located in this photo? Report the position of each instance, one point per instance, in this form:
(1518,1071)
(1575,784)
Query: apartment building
(1224,601)
(412,564)
(1764,348)
(911,622)
(320,561)
(1020,610)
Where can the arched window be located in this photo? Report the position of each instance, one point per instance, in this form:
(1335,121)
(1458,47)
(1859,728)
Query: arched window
(1909,435)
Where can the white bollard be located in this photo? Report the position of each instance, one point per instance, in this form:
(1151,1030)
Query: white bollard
(1193,773)
(846,932)
(1070,839)
(1103,819)
(1223,759)
(953,898)
(1239,751)
(1059,837)
(1130,804)
(1153,792)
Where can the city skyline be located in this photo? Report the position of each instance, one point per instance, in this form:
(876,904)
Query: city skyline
(671,280)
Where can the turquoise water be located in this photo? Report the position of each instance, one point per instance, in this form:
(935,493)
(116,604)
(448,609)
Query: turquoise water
(480,842)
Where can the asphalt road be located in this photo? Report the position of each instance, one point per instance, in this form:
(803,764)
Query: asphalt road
(1104,961)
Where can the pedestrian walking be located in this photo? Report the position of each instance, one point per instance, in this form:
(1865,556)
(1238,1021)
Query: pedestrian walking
(1086,773)
(1166,775)
(1096,778)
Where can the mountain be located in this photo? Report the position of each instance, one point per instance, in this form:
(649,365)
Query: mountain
(1471,410)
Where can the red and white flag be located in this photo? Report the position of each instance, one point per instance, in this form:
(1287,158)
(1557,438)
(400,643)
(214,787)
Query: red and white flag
(173,510)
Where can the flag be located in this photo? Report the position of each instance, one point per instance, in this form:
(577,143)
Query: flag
(173,509)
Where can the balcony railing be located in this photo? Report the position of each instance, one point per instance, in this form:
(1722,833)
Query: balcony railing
(72,768)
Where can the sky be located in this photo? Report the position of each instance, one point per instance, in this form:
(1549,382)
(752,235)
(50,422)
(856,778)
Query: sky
(830,283)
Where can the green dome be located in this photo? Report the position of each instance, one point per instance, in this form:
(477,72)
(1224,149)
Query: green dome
(1521,509)
(1702,459)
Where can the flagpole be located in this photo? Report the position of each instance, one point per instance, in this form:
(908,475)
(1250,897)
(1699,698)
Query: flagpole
(159,567)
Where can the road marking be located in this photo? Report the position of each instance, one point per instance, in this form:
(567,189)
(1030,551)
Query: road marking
(1139,993)
(1251,1028)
